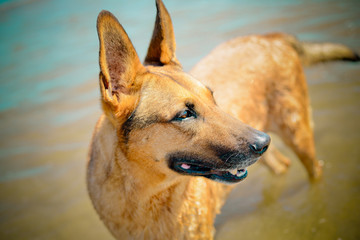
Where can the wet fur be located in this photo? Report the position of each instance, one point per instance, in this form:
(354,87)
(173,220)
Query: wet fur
(257,79)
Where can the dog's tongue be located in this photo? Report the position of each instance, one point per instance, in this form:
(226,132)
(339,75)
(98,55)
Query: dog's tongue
(185,166)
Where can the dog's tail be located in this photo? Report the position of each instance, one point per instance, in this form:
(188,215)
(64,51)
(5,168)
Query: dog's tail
(311,53)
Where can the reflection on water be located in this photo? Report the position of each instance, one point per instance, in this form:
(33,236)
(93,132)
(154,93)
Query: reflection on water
(49,105)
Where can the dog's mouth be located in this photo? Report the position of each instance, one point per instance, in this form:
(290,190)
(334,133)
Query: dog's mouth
(221,175)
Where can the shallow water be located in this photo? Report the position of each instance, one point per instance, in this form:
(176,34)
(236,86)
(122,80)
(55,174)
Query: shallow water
(49,105)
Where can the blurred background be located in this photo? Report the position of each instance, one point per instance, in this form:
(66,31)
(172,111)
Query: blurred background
(49,104)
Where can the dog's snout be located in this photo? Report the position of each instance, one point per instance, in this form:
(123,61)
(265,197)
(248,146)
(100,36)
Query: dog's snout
(261,143)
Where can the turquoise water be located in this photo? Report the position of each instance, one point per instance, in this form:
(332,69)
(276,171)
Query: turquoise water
(49,105)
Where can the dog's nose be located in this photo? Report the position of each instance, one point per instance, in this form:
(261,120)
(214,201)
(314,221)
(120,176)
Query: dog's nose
(261,144)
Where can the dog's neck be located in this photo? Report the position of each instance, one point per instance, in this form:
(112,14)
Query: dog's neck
(143,204)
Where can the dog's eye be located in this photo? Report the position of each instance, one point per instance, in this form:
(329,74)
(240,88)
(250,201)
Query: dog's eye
(186,114)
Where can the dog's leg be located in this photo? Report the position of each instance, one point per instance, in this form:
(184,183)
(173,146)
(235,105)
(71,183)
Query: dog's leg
(302,142)
(300,137)
(275,160)
(297,133)
(290,118)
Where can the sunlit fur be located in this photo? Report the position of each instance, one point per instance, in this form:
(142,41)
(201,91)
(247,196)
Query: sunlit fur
(257,79)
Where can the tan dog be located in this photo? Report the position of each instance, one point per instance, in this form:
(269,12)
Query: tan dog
(163,144)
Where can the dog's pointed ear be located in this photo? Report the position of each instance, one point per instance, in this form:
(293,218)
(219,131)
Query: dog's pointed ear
(119,65)
(162,46)
(119,62)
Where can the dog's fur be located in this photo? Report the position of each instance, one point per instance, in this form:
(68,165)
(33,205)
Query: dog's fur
(155,115)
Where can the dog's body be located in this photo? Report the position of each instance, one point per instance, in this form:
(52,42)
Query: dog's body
(161,127)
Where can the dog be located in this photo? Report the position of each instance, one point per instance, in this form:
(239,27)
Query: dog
(164,147)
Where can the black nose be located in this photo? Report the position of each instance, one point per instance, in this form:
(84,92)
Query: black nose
(261,143)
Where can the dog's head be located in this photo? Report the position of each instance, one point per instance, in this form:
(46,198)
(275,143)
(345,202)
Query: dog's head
(166,121)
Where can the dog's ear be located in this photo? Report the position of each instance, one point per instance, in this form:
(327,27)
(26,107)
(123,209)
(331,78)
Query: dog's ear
(162,46)
(120,67)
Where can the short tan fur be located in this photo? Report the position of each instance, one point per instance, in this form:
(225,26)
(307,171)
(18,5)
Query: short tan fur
(164,147)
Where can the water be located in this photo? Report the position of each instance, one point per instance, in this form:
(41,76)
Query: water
(49,105)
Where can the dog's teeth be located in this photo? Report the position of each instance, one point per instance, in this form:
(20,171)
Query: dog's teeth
(240,172)
(185,166)
(233,172)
